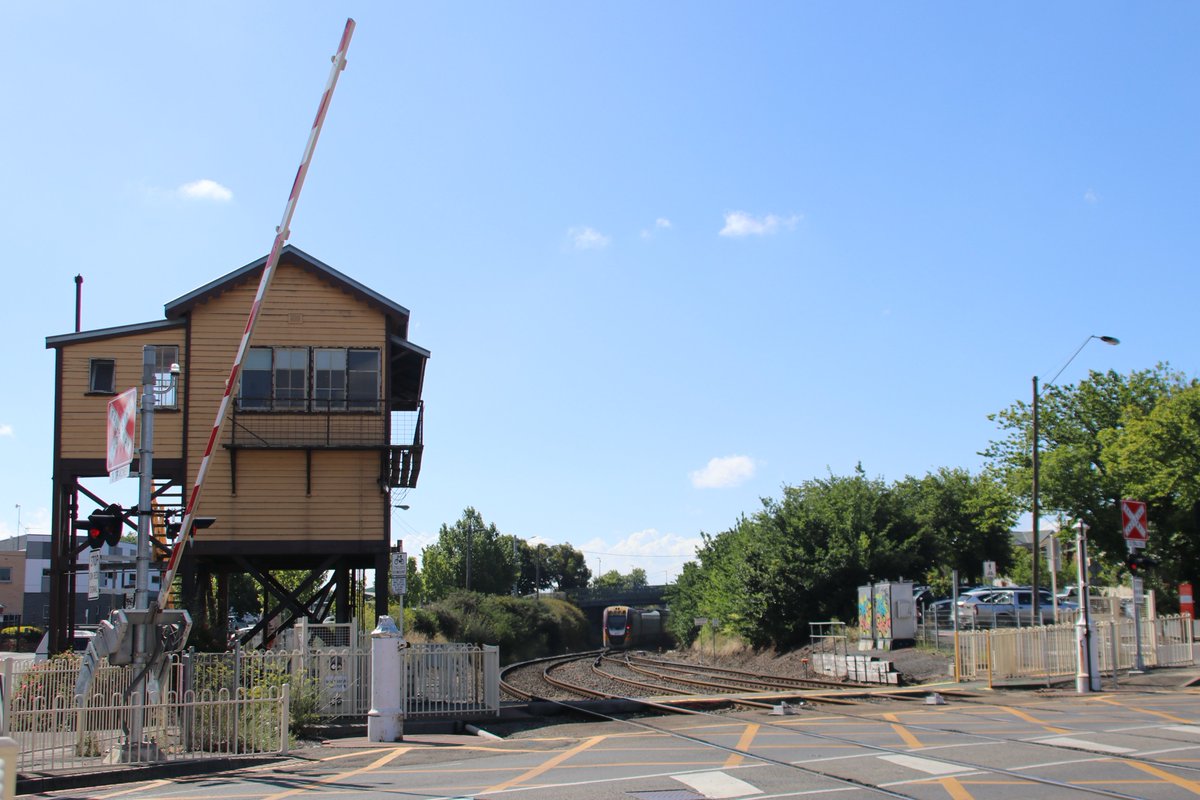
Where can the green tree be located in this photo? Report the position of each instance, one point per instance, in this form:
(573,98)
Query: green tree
(1079,427)
(568,567)
(962,519)
(492,568)
(1157,454)
(543,567)
(614,580)
(414,583)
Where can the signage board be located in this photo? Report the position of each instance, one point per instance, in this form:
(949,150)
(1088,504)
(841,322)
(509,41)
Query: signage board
(94,575)
(1133,521)
(398,582)
(122,413)
(989,570)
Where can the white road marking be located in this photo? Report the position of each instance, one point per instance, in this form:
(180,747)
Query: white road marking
(1185,729)
(718,785)
(1084,744)
(926,765)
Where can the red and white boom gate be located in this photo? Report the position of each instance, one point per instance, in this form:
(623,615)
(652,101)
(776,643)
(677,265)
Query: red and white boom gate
(115,639)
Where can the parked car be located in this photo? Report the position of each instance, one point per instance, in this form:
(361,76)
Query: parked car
(938,613)
(83,637)
(1008,607)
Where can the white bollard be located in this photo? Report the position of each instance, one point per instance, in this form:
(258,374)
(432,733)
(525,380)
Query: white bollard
(10,754)
(385,720)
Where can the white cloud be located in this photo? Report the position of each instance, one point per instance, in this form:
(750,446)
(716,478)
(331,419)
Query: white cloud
(585,238)
(6,429)
(739,223)
(662,224)
(662,555)
(205,189)
(1090,196)
(724,473)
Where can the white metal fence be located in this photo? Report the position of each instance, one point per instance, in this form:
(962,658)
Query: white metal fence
(224,704)
(328,683)
(448,680)
(443,680)
(57,730)
(1051,651)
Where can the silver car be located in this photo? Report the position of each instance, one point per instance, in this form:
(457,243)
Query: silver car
(1008,608)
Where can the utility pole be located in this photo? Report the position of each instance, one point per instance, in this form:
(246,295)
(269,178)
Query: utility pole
(470,533)
(141,586)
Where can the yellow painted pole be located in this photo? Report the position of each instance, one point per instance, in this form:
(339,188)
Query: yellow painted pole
(987,639)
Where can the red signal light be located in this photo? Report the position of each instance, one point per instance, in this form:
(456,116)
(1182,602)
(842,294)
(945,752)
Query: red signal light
(95,536)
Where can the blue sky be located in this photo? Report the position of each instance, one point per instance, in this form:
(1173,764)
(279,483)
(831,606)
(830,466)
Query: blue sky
(667,257)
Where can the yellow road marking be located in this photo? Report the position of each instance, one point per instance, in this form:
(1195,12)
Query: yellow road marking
(1162,714)
(546,766)
(743,744)
(905,733)
(1016,712)
(377,763)
(355,753)
(955,789)
(139,788)
(1183,783)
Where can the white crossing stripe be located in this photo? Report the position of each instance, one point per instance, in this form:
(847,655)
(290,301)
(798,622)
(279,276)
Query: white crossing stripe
(717,785)
(1084,744)
(1193,729)
(926,765)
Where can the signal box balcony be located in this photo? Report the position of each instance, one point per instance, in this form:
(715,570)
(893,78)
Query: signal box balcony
(309,425)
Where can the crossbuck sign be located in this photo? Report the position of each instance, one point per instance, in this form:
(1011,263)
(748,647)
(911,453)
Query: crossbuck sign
(122,411)
(1133,522)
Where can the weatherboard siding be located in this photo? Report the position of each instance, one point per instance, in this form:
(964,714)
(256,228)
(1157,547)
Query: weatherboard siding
(271,501)
(85,416)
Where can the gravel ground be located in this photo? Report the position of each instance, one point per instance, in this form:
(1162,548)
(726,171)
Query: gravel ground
(915,665)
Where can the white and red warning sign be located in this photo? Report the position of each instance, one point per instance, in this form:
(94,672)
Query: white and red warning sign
(122,414)
(1133,522)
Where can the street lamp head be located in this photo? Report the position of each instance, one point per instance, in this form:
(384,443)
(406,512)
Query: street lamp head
(402,506)
(1109,340)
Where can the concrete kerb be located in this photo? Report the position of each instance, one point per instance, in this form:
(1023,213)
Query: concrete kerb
(39,784)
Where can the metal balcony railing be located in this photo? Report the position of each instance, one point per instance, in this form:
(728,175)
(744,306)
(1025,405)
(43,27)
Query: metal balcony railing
(308,423)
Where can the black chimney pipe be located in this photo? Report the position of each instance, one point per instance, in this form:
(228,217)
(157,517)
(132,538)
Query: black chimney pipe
(78,299)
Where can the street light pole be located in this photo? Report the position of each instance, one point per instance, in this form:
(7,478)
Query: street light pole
(1037,549)
(1110,340)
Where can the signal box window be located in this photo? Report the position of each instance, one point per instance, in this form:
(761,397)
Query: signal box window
(5,574)
(291,378)
(277,379)
(256,380)
(165,387)
(362,371)
(329,379)
(102,376)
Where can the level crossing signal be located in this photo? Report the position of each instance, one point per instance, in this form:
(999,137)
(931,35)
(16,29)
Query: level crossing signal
(103,526)
(1137,563)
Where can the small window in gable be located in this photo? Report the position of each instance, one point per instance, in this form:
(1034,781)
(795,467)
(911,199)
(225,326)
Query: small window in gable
(102,376)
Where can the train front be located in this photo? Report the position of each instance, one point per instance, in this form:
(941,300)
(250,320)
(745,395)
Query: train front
(616,626)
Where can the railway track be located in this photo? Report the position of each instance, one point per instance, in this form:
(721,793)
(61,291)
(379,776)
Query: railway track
(607,674)
(599,663)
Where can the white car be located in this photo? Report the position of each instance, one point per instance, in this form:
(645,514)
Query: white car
(83,637)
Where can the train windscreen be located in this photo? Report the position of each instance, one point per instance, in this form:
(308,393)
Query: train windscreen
(616,624)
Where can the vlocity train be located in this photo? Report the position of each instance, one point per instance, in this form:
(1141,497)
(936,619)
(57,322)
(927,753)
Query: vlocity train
(634,627)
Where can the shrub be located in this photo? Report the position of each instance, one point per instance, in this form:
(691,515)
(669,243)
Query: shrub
(522,627)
